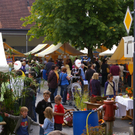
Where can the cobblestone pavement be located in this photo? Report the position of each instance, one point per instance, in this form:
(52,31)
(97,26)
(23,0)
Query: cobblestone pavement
(121,127)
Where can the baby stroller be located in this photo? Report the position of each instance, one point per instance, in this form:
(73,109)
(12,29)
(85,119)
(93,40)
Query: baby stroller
(72,89)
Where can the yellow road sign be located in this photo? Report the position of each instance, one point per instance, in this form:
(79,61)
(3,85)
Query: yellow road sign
(128,20)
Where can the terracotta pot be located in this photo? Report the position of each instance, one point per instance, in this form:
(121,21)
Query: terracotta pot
(130,94)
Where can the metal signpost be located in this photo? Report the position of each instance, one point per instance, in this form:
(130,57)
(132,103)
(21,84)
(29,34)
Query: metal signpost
(127,22)
(134,76)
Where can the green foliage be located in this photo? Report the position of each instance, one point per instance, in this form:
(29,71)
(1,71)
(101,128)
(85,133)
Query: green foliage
(11,103)
(80,99)
(11,106)
(83,23)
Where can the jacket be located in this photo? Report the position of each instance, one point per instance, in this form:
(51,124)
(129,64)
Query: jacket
(41,108)
(89,74)
(19,118)
(52,80)
(95,85)
(48,67)
(48,125)
(104,68)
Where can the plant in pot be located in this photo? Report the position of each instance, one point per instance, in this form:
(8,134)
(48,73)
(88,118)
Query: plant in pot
(79,101)
(129,91)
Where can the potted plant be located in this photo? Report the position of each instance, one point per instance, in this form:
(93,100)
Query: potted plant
(129,91)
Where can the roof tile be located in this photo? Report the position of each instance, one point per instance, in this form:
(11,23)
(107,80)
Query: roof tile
(11,11)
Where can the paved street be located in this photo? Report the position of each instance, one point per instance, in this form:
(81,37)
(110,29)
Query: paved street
(121,127)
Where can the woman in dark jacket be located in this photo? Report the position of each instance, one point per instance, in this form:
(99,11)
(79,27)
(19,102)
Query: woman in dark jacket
(52,82)
(95,85)
(104,72)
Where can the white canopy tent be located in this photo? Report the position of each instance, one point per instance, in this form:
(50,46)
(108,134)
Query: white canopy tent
(84,51)
(108,52)
(49,50)
(66,48)
(36,49)
(3,63)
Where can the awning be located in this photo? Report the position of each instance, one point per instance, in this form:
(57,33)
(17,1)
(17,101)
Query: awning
(49,50)
(118,56)
(36,49)
(67,48)
(108,52)
(3,63)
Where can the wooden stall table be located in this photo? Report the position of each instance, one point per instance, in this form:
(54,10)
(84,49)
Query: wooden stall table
(91,106)
(125,110)
(1,124)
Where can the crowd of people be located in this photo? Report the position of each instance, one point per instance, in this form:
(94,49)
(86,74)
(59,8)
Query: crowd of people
(97,73)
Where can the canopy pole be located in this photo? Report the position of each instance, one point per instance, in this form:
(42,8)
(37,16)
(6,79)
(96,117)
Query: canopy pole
(64,48)
(26,43)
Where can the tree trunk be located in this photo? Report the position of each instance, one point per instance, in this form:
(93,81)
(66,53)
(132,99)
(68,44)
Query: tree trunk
(90,54)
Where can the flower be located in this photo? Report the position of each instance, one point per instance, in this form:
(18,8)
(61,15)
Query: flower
(129,90)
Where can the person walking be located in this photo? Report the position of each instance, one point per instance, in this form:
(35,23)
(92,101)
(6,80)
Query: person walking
(48,66)
(57,75)
(82,76)
(109,87)
(115,72)
(68,68)
(95,85)
(104,69)
(64,83)
(52,82)
(89,73)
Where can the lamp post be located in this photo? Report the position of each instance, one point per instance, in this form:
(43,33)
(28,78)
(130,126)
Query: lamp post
(134,76)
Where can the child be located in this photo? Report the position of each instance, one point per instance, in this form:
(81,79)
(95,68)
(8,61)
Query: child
(24,122)
(48,125)
(41,106)
(109,87)
(58,113)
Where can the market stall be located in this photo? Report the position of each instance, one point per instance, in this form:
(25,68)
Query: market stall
(125,104)
(64,50)
(3,64)
(118,58)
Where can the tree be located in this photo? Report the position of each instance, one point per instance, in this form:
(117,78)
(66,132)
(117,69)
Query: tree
(83,23)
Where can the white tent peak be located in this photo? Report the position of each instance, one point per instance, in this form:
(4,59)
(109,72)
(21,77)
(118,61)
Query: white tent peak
(84,51)
(108,52)
(3,63)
